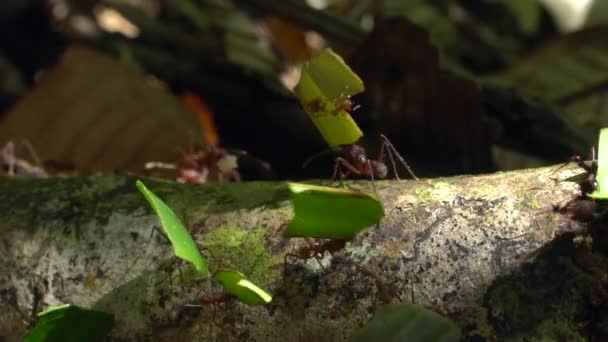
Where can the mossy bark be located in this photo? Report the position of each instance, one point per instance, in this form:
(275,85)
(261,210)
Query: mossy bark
(480,249)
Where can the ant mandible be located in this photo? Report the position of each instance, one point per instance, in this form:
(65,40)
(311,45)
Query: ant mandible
(354,159)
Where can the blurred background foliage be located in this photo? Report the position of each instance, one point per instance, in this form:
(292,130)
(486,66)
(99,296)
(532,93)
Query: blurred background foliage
(459,86)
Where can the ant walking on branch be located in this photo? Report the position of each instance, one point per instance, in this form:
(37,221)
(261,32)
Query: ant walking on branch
(315,250)
(352,159)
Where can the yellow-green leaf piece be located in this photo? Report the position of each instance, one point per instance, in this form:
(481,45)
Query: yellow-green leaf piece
(325,80)
(601,191)
(184,246)
(242,288)
(323,212)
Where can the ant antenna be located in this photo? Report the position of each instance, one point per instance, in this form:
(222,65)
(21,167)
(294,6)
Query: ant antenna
(315,156)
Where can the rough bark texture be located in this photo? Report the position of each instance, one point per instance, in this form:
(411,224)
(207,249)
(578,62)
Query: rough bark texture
(468,247)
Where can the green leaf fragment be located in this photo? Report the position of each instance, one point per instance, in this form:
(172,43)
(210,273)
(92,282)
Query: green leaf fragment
(240,287)
(601,191)
(408,322)
(324,212)
(324,80)
(184,246)
(69,323)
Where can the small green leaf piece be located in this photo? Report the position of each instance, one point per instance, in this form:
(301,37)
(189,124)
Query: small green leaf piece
(601,191)
(324,212)
(181,240)
(244,290)
(408,322)
(324,81)
(69,323)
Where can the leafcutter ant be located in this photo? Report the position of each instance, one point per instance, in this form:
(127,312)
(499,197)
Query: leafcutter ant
(315,250)
(352,159)
(590,166)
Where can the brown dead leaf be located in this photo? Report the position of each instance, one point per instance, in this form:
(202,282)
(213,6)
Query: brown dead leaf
(101,115)
(433,116)
(290,39)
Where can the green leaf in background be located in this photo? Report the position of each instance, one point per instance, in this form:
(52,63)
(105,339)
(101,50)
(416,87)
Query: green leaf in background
(407,322)
(324,80)
(181,240)
(240,287)
(601,191)
(324,212)
(69,323)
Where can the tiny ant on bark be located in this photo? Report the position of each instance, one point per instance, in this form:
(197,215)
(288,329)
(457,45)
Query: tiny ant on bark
(344,102)
(315,250)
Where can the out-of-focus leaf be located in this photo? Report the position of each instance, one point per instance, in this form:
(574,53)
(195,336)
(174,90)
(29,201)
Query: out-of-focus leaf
(408,322)
(601,191)
(597,14)
(569,71)
(93,111)
(181,240)
(289,39)
(69,323)
(324,80)
(323,212)
(242,288)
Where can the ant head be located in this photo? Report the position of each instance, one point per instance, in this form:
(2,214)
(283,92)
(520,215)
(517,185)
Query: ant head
(380,169)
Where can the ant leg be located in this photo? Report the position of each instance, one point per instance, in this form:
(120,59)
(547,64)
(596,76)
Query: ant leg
(316,254)
(138,256)
(343,163)
(392,149)
(369,165)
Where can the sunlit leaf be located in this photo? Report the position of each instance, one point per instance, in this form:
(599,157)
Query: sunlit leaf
(325,80)
(240,287)
(601,191)
(181,240)
(323,212)
(407,322)
(69,323)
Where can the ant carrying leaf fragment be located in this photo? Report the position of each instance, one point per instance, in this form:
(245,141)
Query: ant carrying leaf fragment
(181,240)
(234,283)
(324,212)
(329,213)
(324,91)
